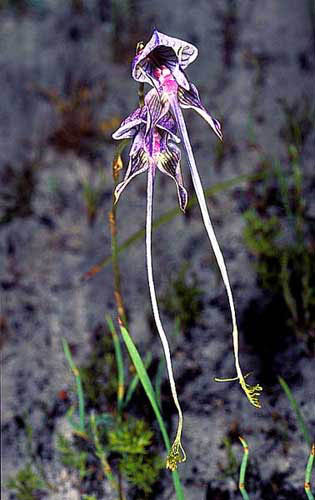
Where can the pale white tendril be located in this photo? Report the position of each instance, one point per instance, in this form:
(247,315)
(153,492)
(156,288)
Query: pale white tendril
(177,453)
(252,392)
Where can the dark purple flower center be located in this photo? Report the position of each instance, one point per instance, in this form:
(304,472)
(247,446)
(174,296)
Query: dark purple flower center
(163,56)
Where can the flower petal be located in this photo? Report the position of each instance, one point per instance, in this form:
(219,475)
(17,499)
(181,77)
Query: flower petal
(168,124)
(190,99)
(169,163)
(138,163)
(163,50)
(158,115)
(156,108)
(128,127)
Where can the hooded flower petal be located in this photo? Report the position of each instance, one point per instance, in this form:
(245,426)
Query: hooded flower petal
(169,163)
(190,99)
(163,51)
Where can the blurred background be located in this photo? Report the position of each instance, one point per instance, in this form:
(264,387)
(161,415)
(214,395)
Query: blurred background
(65,79)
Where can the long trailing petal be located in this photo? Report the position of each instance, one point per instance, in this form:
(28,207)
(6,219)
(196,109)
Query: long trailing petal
(190,99)
(169,163)
(177,453)
(251,392)
(138,163)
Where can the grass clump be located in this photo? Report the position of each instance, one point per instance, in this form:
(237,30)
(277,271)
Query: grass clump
(132,436)
(27,484)
(141,471)
(71,456)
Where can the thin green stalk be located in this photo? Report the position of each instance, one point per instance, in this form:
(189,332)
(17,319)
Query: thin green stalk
(120,365)
(147,386)
(308,474)
(158,381)
(300,420)
(100,453)
(170,215)
(243,470)
(76,374)
(135,379)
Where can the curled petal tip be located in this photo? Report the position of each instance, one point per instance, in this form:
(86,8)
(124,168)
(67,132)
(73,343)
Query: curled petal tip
(176,456)
(252,392)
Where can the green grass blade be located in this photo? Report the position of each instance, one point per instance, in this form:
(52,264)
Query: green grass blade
(76,374)
(300,420)
(243,470)
(308,474)
(158,381)
(120,365)
(171,214)
(135,380)
(146,383)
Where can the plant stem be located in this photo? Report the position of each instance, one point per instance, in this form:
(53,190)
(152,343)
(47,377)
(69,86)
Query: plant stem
(103,459)
(117,165)
(78,381)
(243,470)
(308,473)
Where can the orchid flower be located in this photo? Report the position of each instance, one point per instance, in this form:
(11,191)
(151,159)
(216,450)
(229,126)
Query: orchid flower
(161,63)
(153,133)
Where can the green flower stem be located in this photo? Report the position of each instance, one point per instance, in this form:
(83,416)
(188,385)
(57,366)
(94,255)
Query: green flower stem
(243,470)
(80,393)
(308,474)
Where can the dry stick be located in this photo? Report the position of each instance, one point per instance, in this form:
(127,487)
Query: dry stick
(177,453)
(117,166)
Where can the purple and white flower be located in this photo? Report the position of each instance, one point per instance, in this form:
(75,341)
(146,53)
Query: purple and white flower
(161,63)
(153,133)
(154,130)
